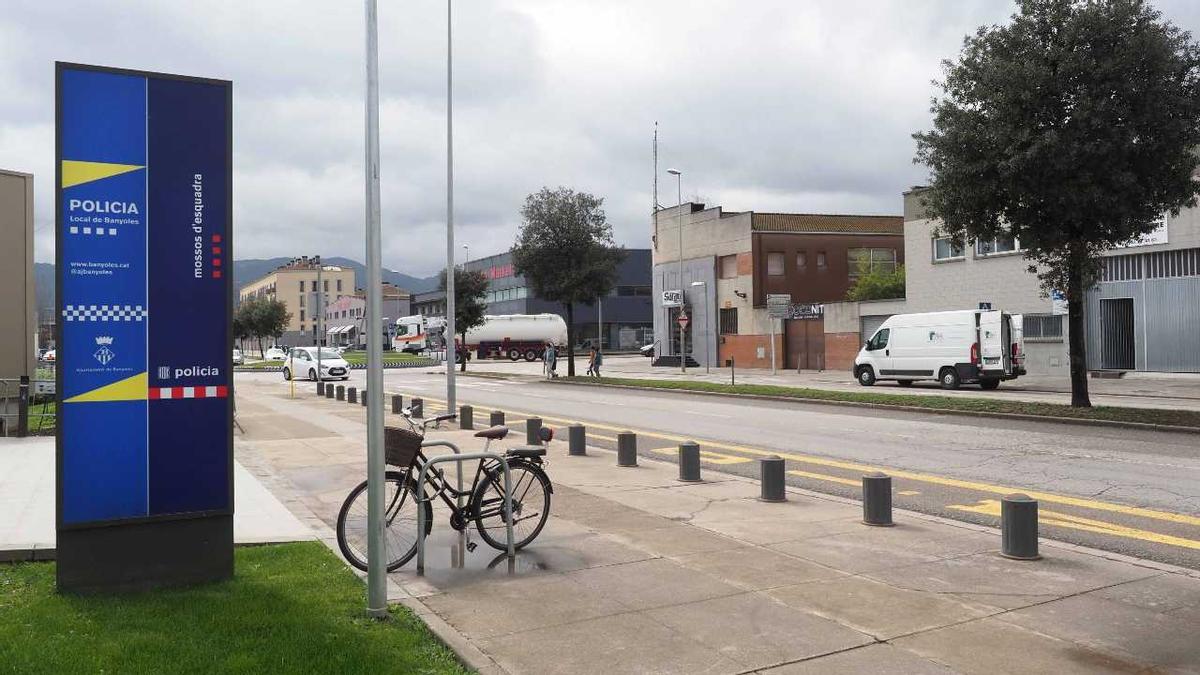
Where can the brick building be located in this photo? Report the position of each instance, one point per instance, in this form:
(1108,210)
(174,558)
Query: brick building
(731,262)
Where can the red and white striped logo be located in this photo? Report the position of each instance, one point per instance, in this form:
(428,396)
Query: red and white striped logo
(158,393)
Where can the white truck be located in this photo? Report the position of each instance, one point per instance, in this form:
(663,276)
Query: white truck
(953,348)
(517,336)
(419,333)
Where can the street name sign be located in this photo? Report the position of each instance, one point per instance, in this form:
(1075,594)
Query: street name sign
(144,374)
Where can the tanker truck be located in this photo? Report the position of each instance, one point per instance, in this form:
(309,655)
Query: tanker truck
(517,336)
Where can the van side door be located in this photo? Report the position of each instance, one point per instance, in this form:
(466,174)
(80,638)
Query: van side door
(880,350)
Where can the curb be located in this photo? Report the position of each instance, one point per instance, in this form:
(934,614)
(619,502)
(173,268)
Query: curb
(353,366)
(1113,424)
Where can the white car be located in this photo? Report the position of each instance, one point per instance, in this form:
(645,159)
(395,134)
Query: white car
(276,354)
(50,356)
(302,363)
(238,358)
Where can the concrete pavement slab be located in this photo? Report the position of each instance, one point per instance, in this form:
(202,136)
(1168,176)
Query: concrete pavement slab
(766,530)
(874,548)
(993,647)
(1013,583)
(1120,629)
(868,660)
(677,539)
(612,645)
(652,583)
(756,630)
(1162,593)
(878,609)
(754,568)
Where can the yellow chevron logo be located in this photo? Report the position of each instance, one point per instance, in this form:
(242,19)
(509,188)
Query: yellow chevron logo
(130,389)
(77,173)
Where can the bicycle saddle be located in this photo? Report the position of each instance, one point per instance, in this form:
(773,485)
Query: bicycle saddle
(492,433)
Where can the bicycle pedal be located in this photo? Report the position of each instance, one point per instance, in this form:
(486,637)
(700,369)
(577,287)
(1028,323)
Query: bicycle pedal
(471,546)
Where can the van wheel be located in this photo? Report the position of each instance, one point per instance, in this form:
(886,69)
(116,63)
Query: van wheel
(866,376)
(904,383)
(287,374)
(989,384)
(531,355)
(949,378)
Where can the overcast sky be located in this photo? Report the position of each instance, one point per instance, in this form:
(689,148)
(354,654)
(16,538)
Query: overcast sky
(796,105)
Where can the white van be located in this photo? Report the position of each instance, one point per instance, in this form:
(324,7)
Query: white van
(966,346)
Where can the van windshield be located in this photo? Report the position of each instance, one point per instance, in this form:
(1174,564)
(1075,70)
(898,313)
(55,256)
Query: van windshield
(879,340)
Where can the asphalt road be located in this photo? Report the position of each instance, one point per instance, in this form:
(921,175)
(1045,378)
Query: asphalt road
(1130,492)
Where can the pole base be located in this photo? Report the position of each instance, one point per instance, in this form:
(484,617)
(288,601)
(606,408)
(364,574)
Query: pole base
(772,501)
(1020,557)
(690,480)
(878,524)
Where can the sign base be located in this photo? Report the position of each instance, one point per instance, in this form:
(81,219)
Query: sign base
(145,556)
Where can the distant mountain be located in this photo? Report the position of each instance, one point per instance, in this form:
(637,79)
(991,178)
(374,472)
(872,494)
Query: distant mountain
(245,271)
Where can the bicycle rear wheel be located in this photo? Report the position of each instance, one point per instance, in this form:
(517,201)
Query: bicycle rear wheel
(400,522)
(530,502)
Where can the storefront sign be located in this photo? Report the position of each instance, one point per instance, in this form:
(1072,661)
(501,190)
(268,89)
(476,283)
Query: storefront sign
(802,310)
(672,298)
(777,305)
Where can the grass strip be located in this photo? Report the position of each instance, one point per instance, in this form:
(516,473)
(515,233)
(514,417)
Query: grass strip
(291,608)
(1160,416)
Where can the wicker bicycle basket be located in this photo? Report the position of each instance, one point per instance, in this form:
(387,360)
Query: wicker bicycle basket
(400,446)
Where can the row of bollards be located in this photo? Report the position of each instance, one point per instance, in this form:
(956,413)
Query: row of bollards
(1018,512)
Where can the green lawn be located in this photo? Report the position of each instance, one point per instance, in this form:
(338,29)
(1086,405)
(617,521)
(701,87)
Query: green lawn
(388,357)
(1185,418)
(291,608)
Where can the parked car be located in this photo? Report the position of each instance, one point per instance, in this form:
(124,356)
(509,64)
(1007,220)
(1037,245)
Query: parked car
(302,362)
(647,351)
(238,358)
(953,348)
(50,356)
(276,354)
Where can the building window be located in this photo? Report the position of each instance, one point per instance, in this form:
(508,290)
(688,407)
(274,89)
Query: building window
(301,285)
(728,321)
(775,264)
(728,266)
(302,316)
(301,299)
(1042,327)
(944,249)
(866,260)
(802,260)
(339,285)
(997,246)
(822,263)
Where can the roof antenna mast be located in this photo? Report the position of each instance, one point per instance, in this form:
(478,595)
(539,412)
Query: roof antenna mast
(655,211)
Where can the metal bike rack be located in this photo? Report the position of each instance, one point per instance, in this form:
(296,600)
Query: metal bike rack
(460,458)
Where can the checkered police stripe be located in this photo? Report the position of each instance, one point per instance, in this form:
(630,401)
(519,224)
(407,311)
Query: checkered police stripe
(104,313)
(159,393)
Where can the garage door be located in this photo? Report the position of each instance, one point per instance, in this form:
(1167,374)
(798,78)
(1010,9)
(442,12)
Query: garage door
(870,324)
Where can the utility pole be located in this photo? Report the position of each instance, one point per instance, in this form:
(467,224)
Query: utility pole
(320,315)
(376,559)
(451,359)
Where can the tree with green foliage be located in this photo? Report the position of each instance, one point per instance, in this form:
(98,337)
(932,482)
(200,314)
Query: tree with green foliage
(565,250)
(878,284)
(470,287)
(1072,128)
(262,317)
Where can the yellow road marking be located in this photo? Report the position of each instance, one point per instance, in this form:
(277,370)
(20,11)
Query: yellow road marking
(991,507)
(912,475)
(718,458)
(821,476)
(908,493)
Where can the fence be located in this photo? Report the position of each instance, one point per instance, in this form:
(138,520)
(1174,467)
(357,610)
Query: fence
(27,406)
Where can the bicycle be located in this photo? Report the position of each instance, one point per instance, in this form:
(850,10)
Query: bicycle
(531,490)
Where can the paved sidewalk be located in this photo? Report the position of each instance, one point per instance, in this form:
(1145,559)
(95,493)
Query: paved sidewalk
(1180,391)
(639,573)
(27,504)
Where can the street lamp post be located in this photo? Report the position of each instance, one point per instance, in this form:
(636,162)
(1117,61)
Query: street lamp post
(320,315)
(679,226)
(451,347)
(707,360)
(466,255)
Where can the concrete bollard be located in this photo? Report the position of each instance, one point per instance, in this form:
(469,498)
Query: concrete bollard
(341,393)
(320,388)
(397,404)
(689,462)
(363,398)
(576,440)
(351,394)
(626,449)
(329,391)
(466,417)
(1019,527)
(533,430)
(877,499)
(771,470)
(417,407)
(496,419)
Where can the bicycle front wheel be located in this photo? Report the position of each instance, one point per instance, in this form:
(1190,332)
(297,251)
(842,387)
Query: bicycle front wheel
(399,525)
(530,503)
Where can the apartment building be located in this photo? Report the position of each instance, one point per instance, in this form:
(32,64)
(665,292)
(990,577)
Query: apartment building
(346,322)
(730,262)
(295,285)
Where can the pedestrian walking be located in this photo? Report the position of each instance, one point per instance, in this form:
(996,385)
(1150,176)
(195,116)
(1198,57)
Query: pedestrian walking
(550,357)
(597,359)
(591,361)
